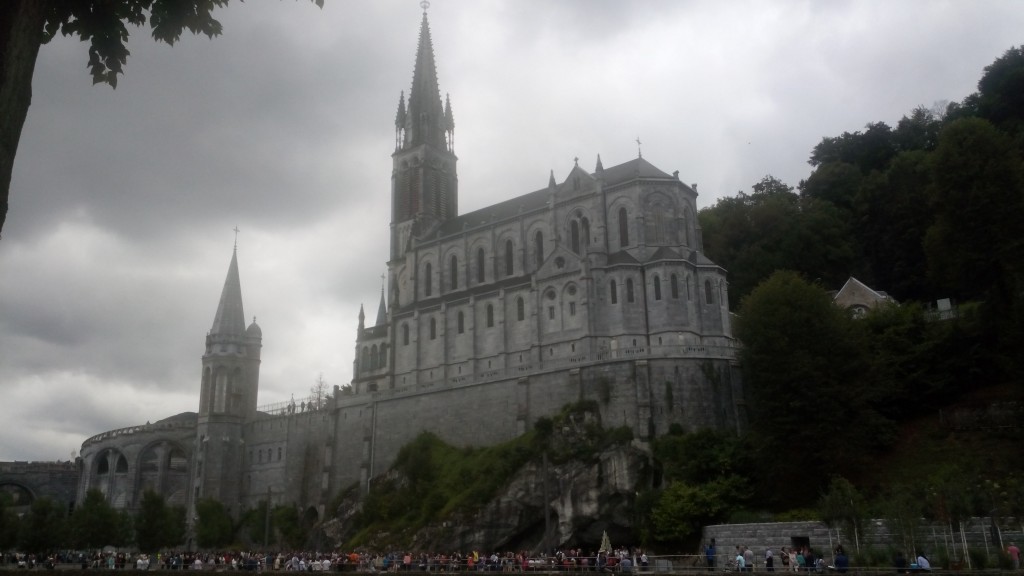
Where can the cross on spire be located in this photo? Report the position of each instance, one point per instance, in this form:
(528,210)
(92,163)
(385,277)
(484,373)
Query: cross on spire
(424,4)
(236,237)
(639,153)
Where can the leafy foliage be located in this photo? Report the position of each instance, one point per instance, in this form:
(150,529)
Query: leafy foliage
(158,525)
(214,529)
(94,523)
(44,528)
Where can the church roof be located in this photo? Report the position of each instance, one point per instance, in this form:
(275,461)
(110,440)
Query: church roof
(230,319)
(538,199)
(635,168)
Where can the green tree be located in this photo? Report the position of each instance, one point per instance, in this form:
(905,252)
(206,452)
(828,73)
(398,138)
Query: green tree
(683,508)
(214,528)
(27,24)
(803,362)
(289,526)
(8,522)
(842,506)
(158,525)
(43,529)
(1001,92)
(94,523)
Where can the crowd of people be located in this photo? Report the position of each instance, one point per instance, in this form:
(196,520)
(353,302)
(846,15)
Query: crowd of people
(574,560)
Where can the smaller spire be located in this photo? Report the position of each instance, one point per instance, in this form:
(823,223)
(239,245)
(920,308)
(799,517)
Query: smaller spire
(600,167)
(382,309)
(362,318)
(551,180)
(449,120)
(400,116)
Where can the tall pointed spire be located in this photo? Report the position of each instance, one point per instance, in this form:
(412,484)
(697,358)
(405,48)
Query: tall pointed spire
(382,310)
(425,123)
(230,318)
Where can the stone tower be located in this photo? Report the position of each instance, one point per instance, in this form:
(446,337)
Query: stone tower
(424,183)
(230,380)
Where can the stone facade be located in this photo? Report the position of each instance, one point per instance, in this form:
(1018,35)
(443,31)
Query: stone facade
(593,288)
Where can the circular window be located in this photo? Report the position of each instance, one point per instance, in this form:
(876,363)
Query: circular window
(560,262)
(550,294)
(572,290)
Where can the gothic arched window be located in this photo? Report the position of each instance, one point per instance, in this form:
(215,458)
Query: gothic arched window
(709,294)
(490,316)
(623,228)
(453,272)
(629,290)
(657,288)
(613,291)
(433,328)
(428,285)
(538,247)
(462,322)
(585,225)
(520,309)
(405,334)
(574,235)
(674,282)
(480,265)
(509,263)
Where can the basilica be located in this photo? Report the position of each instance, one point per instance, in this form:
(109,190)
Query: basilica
(592,288)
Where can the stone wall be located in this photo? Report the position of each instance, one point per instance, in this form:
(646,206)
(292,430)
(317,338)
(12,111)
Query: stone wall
(934,540)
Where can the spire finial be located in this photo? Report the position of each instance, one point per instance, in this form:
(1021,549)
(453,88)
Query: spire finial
(236,237)
(424,4)
(639,153)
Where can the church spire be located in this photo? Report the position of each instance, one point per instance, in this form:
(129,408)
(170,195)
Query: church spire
(382,310)
(230,319)
(425,122)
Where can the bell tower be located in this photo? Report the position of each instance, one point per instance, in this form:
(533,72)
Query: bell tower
(230,382)
(424,182)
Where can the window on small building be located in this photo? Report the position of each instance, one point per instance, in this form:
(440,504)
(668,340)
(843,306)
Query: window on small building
(629,290)
(572,308)
(674,284)
(405,334)
(551,312)
(278,453)
(490,316)
(613,291)
(462,322)
(709,294)
(433,328)
(657,288)
(520,309)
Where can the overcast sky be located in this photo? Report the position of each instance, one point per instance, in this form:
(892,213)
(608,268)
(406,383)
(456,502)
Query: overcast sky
(123,201)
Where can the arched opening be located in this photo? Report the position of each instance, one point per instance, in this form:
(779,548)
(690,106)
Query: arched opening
(574,236)
(490,316)
(509,262)
(657,288)
(405,334)
(629,290)
(433,328)
(586,232)
(462,322)
(613,292)
(428,279)
(520,309)
(538,248)
(674,286)
(453,272)
(480,265)
(623,228)
(709,294)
